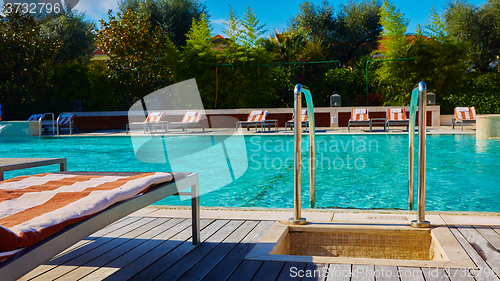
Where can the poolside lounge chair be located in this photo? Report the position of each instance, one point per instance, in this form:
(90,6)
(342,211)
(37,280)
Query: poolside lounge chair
(154,119)
(359,116)
(86,202)
(463,115)
(305,119)
(255,117)
(36,117)
(396,116)
(66,120)
(190,118)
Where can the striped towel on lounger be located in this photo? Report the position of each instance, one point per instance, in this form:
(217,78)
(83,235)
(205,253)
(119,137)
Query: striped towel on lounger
(35,207)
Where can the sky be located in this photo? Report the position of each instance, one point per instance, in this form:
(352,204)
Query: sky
(274,13)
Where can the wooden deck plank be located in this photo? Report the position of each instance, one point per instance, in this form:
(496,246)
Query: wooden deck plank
(111,241)
(460,274)
(291,271)
(246,271)
(199,270)
(189,260)
(178,225)
(435,274)
(155,227)
(490,255)
(363,272)
(145,259)
(182,247)
(61,265)
(386,273)
(339,272)
(316,272)
(79,248)
(476,258)
(269,271)
(228,265)
(491,236)
(410,274)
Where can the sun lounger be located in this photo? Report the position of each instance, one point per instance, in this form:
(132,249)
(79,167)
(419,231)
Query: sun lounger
(64,208)
(305,119)
(464,115)
(255,117)
(190,118)
(396,116)
(66,120)
(154,120)
(359,116)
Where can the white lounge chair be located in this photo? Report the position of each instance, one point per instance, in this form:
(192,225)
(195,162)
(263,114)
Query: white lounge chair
(396,116)
(359,116)
(255,117)
(463,115)
(305,120)
(190,118)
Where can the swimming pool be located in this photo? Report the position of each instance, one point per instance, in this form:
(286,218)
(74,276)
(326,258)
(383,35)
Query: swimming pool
(353,171)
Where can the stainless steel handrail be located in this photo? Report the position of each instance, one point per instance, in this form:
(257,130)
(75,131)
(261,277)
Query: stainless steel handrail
(422,124)
(70,122)
(297,218)
(40,121)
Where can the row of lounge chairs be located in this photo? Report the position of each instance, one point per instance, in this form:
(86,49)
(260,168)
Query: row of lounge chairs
(397,116)
(157,120)
(64,120)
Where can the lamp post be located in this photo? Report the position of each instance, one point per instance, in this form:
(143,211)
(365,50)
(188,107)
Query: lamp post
(380,61)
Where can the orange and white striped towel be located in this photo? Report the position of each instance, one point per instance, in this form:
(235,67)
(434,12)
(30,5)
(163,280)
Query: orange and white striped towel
(398,114)
(257,116)
(154,117)
(359,114)
(465,113)
(35,207)
(305,117)
(191,117)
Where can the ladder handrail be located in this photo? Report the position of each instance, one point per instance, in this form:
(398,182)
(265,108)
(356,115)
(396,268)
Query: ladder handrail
(40,121)
(70,122)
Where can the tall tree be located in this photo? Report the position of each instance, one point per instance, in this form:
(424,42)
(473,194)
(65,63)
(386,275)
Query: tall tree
(174,17)
(74,31)
(478,27)
(232,29)
(394,76)
(251,34)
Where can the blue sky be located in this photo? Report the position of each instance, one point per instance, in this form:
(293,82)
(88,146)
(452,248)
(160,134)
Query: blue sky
(274,13)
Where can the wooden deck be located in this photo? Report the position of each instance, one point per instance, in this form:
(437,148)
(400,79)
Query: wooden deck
(159,248)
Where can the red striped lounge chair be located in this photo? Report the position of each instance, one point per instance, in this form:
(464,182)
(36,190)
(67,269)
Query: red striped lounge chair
(66,120)
(190,118)
(396,116)
(359,116)
(305,119)
(464,115)
(42,215)
(36,117)
(255,117)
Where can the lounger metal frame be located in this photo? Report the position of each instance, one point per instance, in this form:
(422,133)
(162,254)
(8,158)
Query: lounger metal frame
(35,255)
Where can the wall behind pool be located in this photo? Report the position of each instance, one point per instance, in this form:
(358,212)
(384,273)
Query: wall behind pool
(18,128)
(226,118)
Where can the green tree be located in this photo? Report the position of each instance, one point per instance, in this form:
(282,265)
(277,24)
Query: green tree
(174,17)
(395,77)
(356,31)
(74,31)
(251,35)
(479,28)
(232,29)
(136,52)
(26,59)
(293,45)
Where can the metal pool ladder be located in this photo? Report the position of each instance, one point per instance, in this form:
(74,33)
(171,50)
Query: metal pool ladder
(419,93)
(299,89)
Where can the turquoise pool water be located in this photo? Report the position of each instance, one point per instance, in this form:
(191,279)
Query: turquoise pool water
(354,171)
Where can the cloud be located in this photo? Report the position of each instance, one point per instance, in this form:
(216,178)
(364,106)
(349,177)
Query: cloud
(97,9)
(219,21)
